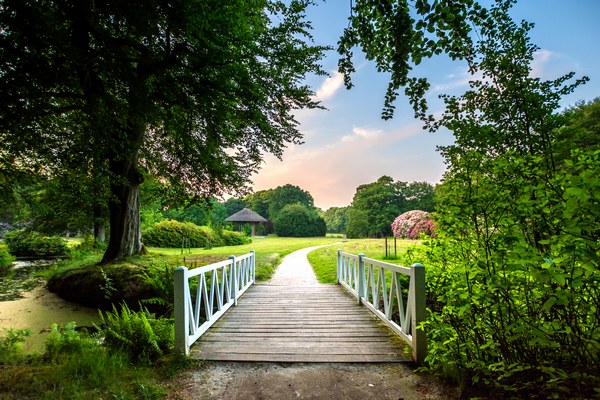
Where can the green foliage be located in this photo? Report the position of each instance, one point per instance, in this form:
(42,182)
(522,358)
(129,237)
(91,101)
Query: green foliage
(358,223)
(6,259)
(234,205)
(76,366)
(376,205)
(170,233)
(10,343)
(513,281)
(296,220)
(231,238)
(514,296)
(335,219)
(141,93)
(24,243)
(269,203)
(161,279)
(140,335)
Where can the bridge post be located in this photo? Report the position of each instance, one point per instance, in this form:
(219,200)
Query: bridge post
(181,312)
(253,265)
(339,265)
(361,284)
(419,313)
(235,281)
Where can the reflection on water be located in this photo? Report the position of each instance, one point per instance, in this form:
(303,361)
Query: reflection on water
(36,309)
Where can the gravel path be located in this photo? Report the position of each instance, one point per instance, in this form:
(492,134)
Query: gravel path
(295,270)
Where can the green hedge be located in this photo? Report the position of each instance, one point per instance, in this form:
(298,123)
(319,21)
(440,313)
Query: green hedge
(170,233)
(23,243)
(231,238)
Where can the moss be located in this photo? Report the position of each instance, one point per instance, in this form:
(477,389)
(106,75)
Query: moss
(101,286)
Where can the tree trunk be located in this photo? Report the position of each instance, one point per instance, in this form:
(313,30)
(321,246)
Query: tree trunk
(124,210)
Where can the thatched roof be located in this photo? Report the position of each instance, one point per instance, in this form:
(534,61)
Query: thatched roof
(244,216)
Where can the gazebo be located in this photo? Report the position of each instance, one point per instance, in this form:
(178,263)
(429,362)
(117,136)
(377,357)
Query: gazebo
(247,216)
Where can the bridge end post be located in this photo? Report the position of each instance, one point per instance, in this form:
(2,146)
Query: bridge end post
(235,282)
(181,311)
(419,313)
(339,265)
(253,273)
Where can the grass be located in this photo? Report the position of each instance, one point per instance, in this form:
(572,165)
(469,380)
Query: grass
(324,260)
(269,252)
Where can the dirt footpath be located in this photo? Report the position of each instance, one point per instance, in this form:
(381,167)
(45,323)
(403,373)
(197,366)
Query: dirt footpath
(279,381)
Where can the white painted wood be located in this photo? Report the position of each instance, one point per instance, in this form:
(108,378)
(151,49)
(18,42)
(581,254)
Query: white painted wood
(365,278)
(219,285)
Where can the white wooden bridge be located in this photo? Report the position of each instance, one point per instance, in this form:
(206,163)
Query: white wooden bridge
(370,316)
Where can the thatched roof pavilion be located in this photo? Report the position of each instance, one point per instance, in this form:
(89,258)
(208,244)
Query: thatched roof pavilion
(247,216)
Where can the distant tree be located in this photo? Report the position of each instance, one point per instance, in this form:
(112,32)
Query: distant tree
(335,218)
(234,205)
(259,202)
(104,89)
(419,196)
(381,202)
(357,225)
(297,220)
(287,194)
(216,213)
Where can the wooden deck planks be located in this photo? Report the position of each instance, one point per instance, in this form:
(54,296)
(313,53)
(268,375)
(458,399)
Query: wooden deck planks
(323,323)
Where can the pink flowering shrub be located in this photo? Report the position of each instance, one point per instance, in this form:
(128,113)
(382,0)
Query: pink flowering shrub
(411,224)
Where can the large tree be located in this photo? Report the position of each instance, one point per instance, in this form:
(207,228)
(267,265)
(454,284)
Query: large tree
(381,202)
(512,286)
(193,91)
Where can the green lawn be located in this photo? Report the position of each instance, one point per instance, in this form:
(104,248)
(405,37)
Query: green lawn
(324,260)
(269,252)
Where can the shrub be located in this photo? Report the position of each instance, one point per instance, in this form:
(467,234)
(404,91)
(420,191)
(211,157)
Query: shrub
(25,243)
(6,259)
(231,238)
(140,335)
(412,224)
(170,233)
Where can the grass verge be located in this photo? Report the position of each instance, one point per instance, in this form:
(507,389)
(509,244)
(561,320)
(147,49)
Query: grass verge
(324,260)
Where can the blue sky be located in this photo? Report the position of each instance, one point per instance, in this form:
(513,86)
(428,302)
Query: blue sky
(349,144)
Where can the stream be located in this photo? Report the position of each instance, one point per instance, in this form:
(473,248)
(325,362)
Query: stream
(26,304)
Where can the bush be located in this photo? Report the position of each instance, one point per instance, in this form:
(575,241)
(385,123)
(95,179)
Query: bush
(170,233)
(140,335)
(6,259)
(295,220)
(412,224)
(231,238)
(23,243)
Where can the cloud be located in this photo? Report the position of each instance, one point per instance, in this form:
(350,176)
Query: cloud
(362,133)
(332,171)
(329,86)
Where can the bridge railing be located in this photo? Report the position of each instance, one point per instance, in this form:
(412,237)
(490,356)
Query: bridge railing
(204,294)
(394,293)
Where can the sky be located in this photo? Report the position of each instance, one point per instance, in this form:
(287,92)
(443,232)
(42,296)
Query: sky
(349,144)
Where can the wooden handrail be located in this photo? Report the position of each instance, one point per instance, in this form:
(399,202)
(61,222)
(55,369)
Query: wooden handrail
(379,286)
(218,287)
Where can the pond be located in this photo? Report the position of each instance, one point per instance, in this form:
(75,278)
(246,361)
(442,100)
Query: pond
(26,304)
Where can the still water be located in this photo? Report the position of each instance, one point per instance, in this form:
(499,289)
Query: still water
(37,310)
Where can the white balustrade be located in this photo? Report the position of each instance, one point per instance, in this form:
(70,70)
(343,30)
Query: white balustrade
(218,286)
(383,289)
